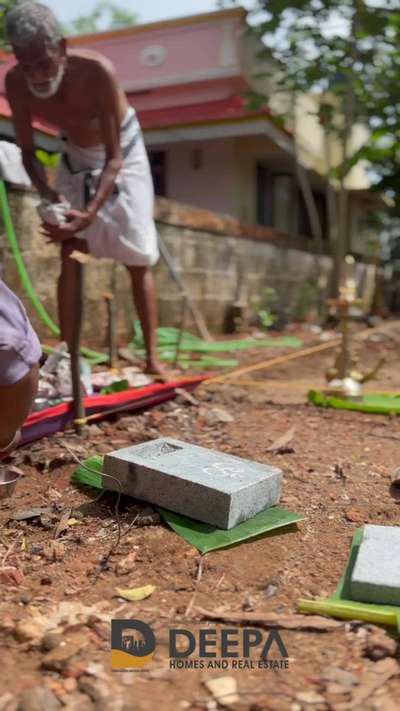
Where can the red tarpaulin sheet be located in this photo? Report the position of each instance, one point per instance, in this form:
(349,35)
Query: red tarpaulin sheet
(55,419)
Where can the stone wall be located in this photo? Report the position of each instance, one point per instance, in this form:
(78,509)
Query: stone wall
(219,259)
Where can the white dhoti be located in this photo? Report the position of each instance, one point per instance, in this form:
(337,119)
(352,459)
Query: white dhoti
(124,227)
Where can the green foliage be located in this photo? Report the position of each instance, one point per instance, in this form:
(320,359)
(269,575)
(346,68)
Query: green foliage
(308,297)
(346,52)
(5,6)
(106,15)
(266,307)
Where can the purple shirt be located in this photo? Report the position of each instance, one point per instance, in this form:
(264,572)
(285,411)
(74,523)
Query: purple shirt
(19,345)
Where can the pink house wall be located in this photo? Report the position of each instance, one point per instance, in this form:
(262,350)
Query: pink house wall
(211,185)
(189,49)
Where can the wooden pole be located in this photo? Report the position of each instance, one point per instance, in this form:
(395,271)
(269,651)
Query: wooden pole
(74,346)
(112,350)
(192,306)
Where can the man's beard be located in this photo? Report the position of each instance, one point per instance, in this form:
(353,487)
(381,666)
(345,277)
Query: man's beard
(54,85)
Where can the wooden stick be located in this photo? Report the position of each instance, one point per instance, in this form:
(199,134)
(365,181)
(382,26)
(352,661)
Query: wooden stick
(112,350)
(192,306)
(180,335)
(271,362)
(74,346)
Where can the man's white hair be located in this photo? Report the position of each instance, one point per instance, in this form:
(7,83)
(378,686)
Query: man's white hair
(30,22)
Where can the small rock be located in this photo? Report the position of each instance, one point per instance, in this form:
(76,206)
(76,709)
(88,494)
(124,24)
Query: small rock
(271,590)
(312,698)
(58,659)
(217,415)
(46,580)
(31,629)
(78,702)
(51,640)
(334,689)
(340,676)
(98,690)
(70,685)
(354,516)
(379,645)
(126,565)
(74,669)
(95,669)
(25,598)
(38,699)
(224,690)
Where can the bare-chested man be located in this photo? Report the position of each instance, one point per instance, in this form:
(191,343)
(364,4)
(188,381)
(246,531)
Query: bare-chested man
(104,174)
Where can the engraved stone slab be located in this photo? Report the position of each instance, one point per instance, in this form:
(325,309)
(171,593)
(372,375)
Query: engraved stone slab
(203,484)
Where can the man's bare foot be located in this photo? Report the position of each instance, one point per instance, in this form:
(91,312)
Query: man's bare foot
(157,370)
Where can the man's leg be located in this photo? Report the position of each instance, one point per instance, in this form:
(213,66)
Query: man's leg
(67,286)
(144,295)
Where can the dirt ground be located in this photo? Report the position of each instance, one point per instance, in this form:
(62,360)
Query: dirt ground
(337,470)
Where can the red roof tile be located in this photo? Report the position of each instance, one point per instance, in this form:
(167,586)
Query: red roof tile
(234,107)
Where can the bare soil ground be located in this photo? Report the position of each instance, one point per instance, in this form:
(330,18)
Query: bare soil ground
(337,471)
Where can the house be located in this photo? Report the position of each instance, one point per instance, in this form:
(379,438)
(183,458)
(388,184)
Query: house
(189,79)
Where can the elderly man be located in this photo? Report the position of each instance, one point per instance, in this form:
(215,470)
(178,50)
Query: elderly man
(19,371)
(104,190)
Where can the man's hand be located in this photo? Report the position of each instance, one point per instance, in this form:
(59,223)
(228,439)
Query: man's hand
(77,221)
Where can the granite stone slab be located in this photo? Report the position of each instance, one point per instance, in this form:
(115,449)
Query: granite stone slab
(376,573)
(200,483)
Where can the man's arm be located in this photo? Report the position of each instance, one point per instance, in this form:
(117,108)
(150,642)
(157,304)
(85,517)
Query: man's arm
(107,109)
(22,120)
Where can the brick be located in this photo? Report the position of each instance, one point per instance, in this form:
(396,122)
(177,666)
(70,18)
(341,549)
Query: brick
(205,485)
(376,574)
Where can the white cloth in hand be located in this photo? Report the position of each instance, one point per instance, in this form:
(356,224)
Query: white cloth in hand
(53,213)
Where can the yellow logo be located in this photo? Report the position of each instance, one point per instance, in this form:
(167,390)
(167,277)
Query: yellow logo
(132,644)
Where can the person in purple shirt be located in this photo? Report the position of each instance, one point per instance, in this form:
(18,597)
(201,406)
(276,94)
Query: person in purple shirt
(20,353)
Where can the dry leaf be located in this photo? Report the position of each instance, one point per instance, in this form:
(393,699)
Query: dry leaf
(224,690)
(271,620)
(280,445)
(136,594)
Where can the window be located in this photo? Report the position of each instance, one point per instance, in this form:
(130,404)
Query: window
(304,227)
(158,165)
(283,203)
(264,195)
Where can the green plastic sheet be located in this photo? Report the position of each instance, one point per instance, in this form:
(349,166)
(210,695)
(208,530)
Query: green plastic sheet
(200,535)
(375,403)
(185,360)
(171,337)
(342,606)
(207,538)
